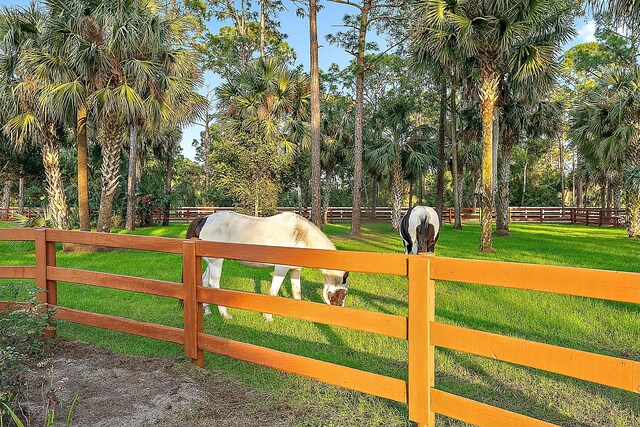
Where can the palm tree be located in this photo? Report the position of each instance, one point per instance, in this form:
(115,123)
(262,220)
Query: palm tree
(607,125)
(26,111)
(316,141)
(264,104)
(498,37)
(402,147)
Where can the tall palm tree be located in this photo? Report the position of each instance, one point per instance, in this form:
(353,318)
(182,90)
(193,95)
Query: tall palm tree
(608,125)
(404,147)
(316,140)
(499,37)
(27,113)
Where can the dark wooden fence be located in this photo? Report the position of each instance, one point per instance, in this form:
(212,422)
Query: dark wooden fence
(421,330)
(568,215)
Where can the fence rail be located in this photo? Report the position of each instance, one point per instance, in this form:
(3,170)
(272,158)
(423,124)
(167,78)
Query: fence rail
(613,217)
(570,215)
(419,327)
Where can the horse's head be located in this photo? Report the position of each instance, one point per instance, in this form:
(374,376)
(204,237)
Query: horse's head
(335,287)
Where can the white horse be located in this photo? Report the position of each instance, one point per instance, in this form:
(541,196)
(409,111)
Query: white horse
(286,229)
(420,229)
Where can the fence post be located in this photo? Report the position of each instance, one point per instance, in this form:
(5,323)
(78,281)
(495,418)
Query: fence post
(191,278)
(421,352)
(47,289)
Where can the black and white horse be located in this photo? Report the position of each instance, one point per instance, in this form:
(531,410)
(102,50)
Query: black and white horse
(286,229)
(420,229)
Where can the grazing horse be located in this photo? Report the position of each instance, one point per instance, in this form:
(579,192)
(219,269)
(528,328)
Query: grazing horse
(286,229)
(420,229)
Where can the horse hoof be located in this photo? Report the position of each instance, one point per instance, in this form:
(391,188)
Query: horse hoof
(268,317)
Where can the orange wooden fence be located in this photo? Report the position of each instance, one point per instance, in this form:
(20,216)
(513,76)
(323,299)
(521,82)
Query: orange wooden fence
(546,214)
(419,327)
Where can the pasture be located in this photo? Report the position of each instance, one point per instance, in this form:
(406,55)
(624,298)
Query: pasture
(599,326)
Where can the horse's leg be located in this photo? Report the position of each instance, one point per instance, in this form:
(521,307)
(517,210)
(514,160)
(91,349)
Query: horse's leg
(279,272)
(295,283)
(211,278)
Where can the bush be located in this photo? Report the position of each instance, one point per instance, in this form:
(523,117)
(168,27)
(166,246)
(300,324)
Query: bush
(21,340)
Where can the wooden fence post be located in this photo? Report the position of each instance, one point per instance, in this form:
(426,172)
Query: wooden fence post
(47,289)
(421,352)
(191,278)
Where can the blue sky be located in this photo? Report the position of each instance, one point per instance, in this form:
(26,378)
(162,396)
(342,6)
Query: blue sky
(329,20)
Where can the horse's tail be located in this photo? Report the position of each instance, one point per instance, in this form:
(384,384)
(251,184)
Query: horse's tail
(426,235)
(193,231)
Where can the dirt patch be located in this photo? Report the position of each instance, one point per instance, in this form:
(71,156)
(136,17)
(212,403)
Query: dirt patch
(115,390)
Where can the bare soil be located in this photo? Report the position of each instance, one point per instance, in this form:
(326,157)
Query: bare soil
(115,390)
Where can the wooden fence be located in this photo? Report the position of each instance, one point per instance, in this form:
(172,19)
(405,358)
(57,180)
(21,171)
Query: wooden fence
(569,215)
(419,327)
(9,214)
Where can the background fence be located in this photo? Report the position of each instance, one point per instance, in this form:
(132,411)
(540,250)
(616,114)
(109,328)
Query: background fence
(419,327)
(569,215)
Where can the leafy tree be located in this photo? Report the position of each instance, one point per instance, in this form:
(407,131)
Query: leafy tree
(499,37)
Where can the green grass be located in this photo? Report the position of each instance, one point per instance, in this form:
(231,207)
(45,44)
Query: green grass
(593,325)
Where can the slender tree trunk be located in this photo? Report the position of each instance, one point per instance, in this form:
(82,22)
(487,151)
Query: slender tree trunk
(495,148)
(83,174)
(374,197)
(561,153)
(316,202)
(396,192)
(6,195)
(411,193)
(207,142)
(573,181)
(357,151)
(263,6)
(300,201)
(603,193)
(167,189)
(474,189)
(632,192)
(421,189)
(524,178)
(617,199)
(55,187)
(21,195)
(327,194)
(579,194)
(489,95)
(441,149)
(132,179)
(609,193)
(457,222)
(110,170)
(502,200)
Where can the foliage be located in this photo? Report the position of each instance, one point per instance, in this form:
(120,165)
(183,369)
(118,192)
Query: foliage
(21,340)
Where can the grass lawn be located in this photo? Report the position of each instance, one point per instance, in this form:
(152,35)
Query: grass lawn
(593,325)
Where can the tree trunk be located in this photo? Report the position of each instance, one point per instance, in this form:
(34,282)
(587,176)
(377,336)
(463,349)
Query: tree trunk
(609,193)
(55,187)
(6,196)
(603,193)
(21,195)
(474,185)
(617,199)
(441,149)
(495,147)
(502,200)
(132,179)
(110,171)
(167,190)
(421,189)
(207,141)
(396,192)
(83,174)
(457,222)
(316,202)
(327,195)
(263,6)
(374,197)
(561,153)
(357,151)
(411,193)
(579,196)
(524,177)
(300,201)
(489,95)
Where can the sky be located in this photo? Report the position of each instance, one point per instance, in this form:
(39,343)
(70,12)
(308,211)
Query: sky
(329,20)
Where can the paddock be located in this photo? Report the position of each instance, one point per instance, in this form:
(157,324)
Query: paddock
(408,316)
